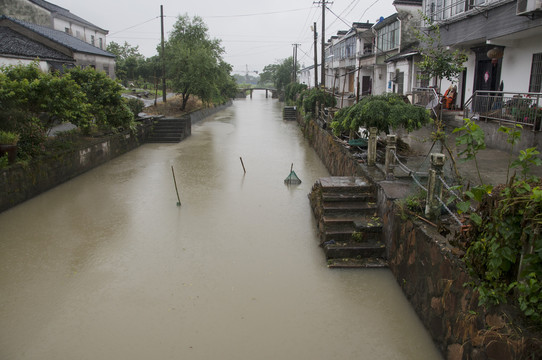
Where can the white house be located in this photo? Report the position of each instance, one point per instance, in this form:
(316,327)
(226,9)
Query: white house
(22,42)
(396,49)
(41,12)
(502,39)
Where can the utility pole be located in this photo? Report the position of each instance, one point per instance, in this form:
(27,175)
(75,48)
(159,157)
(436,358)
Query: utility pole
(315,56)
(163,56)
(294,75)
(323,72)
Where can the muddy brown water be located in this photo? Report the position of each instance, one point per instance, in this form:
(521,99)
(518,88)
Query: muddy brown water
(107,266)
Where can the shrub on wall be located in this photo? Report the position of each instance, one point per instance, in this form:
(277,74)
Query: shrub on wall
(106,103)
(380,111)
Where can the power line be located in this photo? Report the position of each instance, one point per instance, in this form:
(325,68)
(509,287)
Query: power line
(370,6)
(255,14)
(347,24)
(131,27)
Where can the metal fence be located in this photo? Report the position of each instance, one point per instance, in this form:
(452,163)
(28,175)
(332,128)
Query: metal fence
(427,98)
(516,108)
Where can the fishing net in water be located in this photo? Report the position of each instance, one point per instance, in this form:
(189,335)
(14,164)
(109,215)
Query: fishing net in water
(292,178)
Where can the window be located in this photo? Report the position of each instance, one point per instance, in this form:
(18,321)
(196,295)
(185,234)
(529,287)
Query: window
(67,30)
(106,69)
(535,84)
(101,42)
(388,37)
(92,41)
(351,47)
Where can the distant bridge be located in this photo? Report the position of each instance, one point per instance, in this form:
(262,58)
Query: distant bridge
(243,91)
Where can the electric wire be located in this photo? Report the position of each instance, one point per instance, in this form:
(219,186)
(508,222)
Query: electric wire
(133,26)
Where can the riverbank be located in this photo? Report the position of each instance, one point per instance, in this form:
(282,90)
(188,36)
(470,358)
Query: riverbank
(429,270)
(23,181)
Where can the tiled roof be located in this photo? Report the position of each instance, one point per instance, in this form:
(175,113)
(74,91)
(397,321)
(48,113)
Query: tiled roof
(408,2)
(62,38)
(64,13)
(383,22)
(15,44)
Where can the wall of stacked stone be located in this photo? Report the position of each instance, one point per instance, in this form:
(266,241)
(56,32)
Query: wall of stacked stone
(431,276)
(333,154)
(21,182)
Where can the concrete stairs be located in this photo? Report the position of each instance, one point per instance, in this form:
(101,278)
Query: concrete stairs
(170,130)
(350,230)
(289,113)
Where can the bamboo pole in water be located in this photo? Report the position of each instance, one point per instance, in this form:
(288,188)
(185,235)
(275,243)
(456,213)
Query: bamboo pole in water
(240,158)
(176,190)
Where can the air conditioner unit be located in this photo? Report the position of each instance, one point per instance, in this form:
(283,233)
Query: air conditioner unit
(526,7)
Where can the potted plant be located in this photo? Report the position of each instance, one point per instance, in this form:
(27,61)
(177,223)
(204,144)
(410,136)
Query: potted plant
(8,145)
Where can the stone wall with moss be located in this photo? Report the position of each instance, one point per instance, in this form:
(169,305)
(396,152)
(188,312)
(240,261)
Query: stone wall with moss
(336,158)
(430,273)
(21,182)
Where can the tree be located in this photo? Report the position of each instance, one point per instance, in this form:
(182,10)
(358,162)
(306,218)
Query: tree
(104,98)
(128,60)
(28,93)
(193,61)
(438,62)
(280,75)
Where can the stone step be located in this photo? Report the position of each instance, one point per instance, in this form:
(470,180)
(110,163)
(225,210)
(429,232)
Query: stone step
(169,130)
(289,113)
(346,235)
(347,197)
(355,223)
(348,263)
(349,209)
(353,250)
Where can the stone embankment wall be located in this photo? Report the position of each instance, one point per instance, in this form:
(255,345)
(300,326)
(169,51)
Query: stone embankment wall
(431,275)
(19,183)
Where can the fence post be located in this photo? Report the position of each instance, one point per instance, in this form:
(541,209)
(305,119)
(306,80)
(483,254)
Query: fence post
(371,147)
(391,146)
(434,186)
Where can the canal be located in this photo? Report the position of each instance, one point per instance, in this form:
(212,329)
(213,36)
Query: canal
(107,266)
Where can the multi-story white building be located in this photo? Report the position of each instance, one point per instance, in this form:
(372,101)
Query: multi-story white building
(371,59)
(502,39)
(44,13)
(349,59)
(33,30)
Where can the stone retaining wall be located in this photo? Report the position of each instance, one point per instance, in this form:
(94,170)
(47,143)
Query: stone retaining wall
(19,183)
(431,276)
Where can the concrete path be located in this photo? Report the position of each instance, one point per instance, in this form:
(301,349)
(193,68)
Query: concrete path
(492,163)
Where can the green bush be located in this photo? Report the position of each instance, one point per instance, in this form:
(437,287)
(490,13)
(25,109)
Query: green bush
(27,93)
(135,105)
(380,111)
(106,104)
(308,99)
(292,91)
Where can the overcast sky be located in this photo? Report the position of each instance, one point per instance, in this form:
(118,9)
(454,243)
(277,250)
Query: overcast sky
(254,33)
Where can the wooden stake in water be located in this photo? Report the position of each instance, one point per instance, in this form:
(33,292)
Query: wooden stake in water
(176,190)
(240,158)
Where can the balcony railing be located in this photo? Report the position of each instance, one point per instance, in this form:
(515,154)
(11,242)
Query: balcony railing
(427,98)
(515,108)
